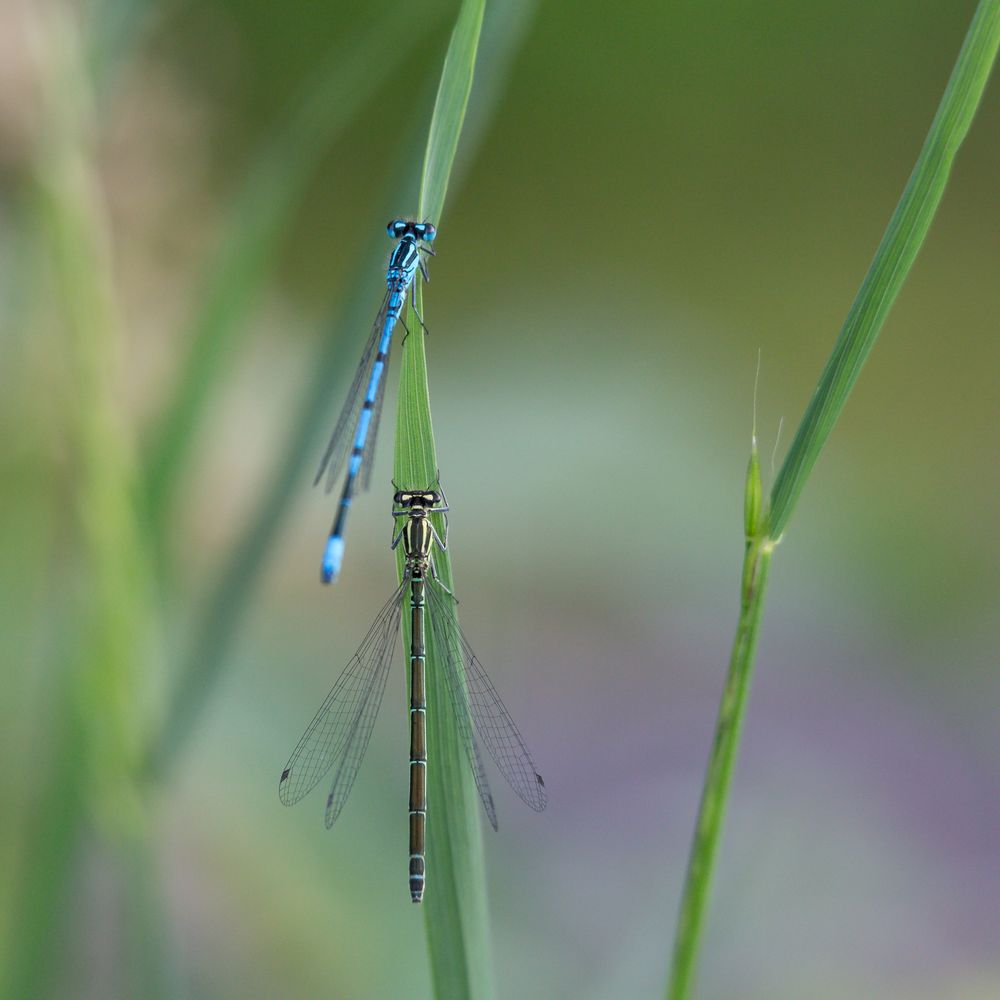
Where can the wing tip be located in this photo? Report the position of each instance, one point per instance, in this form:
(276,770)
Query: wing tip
(283,787)
(330,816)
(543,795)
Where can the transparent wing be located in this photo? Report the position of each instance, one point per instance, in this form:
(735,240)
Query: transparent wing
(340,441)
(357,742)
(468,681)
(368,459)
(442,640)
(340,731)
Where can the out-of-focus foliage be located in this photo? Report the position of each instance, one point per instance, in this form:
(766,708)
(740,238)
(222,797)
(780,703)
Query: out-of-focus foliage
(664,190)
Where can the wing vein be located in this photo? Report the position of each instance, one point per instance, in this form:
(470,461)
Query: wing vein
(340,440)
(346,711)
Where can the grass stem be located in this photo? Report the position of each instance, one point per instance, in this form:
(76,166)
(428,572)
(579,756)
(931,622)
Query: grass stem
(455,907)
(892,262)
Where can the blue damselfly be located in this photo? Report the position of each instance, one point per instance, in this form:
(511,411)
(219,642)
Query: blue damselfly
(363,406)
(338,736)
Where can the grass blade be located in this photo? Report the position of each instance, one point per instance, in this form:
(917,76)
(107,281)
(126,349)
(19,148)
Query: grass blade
(449,108)
(504,27)
(719,773)
(46,867)
(889,268)
(455,915)
(455,906)
(101,708)
(893,259)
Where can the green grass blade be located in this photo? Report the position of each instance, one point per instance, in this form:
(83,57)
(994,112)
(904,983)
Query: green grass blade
(892,262)
(46,868)
(504,28)
(456,913)
(719,773)
(101,712)
(893,259)
(449,108)
(259,217)
(455,907)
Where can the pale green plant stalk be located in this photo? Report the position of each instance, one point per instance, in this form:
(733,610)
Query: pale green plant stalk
(455,906)
(70,206)
(889,268)
(102,712)
(455,903)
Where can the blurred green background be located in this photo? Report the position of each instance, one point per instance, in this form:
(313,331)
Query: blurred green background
(651,195)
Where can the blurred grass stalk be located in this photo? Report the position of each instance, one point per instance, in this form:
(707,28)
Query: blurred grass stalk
(116,29)
(456,917)
(764,529)
(104,705)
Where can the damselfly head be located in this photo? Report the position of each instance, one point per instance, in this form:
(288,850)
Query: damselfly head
(399,228)
(417,498)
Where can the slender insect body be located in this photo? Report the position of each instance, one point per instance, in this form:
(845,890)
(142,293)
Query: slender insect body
(364,401)
(418,740)
(338,736)
(418,537)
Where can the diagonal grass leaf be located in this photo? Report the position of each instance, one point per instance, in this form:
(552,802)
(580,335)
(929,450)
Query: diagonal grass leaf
(889,268)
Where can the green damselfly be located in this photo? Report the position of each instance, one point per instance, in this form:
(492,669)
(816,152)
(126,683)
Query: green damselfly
(338,736)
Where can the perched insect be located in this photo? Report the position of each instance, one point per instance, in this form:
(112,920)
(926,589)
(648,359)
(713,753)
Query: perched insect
(363,406)
(338,736)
